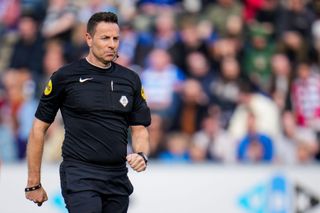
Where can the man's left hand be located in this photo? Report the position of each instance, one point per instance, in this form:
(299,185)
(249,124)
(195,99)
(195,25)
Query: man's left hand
(136,162)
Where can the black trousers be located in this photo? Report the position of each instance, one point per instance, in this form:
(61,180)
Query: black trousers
(88,188)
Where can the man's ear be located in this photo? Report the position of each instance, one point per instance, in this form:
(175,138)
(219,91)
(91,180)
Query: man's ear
(89,39)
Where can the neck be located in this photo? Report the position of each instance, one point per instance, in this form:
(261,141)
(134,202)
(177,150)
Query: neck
(92,60)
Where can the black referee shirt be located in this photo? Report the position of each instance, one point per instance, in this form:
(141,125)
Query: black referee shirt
(97,106)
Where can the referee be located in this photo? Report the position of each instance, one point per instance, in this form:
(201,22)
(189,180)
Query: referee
(99,100)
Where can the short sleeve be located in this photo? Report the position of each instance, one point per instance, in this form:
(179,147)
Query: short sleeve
(51,99)
(140,114)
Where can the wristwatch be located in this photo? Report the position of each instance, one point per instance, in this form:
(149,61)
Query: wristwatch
(144,156)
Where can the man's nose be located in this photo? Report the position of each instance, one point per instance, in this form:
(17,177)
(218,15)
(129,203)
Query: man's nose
(112,44)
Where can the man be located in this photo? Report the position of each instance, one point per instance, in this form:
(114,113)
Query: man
(99,100)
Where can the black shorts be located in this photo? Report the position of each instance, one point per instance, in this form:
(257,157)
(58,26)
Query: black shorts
(88,188)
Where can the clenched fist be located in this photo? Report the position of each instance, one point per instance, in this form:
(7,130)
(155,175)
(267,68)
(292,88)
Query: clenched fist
(37,196)
(137,162)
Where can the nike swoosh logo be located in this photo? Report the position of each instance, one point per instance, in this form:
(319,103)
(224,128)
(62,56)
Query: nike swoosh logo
(84,79)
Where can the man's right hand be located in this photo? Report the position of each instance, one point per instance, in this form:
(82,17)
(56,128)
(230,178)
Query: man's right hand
(34,157)
(37,196)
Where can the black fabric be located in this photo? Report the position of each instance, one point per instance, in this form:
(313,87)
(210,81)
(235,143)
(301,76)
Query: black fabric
(94,189)
(97,105)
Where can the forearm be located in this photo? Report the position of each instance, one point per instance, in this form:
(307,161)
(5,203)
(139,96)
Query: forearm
(140,140)
(59,26)
(34,153)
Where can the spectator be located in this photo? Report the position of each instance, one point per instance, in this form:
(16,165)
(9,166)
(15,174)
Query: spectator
(128,45)
(191,6)
(306,97)
(255,146)
(161,81)
(258,55)
(190,41)
(59,21)
(9,14)
(297,18)
(296,22)
(296,144)
(265,110)
(214,141)
(29,49)
(165,31)
(294,47)
(78,47)
(22,105)
(281,80)
(197,154)
(269,15)
(315,49)
(307,146)
(224,90)
(162,37)
(8,148)
(177,149)
(251,7)
(199,68)
(157,134)
(219,13)
(53,59)
(192,108)
(38,7)
(234,27)
(224,47)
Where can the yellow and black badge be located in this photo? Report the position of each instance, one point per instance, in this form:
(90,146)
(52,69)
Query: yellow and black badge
(143,95)
(48,88)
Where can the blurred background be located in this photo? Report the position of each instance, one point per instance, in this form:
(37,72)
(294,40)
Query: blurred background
(233,87)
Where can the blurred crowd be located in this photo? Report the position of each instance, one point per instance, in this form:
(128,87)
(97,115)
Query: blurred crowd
(227,81)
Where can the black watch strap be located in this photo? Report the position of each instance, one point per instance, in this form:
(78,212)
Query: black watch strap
(33,188)
(144,156)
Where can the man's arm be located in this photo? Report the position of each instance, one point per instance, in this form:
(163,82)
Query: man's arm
(140,143)
(34,158)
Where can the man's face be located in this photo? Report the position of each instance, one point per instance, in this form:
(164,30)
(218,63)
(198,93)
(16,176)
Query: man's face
(104,42)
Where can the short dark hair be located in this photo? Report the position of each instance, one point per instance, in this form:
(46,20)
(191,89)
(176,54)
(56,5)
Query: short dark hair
(96,18)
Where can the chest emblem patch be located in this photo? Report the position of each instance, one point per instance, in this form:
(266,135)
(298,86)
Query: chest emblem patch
(124,101)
